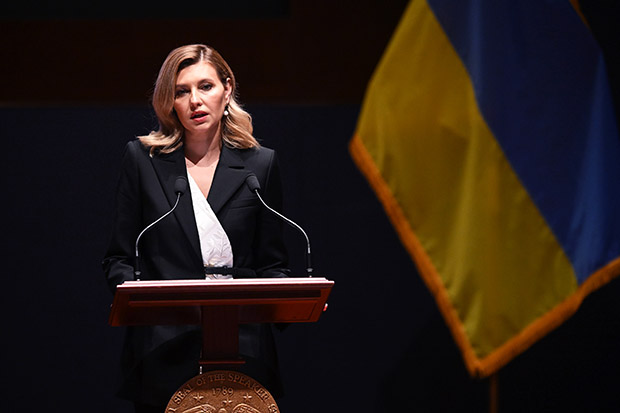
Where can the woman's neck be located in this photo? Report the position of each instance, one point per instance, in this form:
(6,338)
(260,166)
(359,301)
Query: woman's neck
(202,150)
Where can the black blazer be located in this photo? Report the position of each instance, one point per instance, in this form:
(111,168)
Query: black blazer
(157,360)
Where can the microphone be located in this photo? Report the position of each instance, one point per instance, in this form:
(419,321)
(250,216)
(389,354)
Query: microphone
(252,181)
(180,186)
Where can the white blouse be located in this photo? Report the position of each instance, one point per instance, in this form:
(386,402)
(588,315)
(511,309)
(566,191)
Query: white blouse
(214,243)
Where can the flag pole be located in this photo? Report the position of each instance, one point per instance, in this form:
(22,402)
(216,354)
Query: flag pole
(493,392)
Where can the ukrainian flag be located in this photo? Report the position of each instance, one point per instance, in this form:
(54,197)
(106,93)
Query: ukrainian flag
(488,133)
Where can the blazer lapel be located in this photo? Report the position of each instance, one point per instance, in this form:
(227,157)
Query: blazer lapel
(168,167)
(229,175)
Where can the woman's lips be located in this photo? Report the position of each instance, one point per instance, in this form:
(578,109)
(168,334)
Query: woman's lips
(198,116)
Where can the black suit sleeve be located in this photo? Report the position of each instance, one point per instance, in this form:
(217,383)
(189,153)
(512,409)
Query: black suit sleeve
(118,261)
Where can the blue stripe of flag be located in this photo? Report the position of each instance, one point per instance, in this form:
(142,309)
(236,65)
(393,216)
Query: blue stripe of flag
(541,85)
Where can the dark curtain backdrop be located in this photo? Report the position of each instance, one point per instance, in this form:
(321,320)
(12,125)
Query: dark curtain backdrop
(381,346)
(74,89)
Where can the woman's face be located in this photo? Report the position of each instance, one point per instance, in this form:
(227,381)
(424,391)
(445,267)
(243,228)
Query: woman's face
(200,99)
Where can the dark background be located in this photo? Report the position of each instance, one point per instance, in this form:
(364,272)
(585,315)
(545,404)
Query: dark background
(75,83)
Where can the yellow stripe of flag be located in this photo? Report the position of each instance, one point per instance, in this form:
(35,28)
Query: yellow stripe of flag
(457,205)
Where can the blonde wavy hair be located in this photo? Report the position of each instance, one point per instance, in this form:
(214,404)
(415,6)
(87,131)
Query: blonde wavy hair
(236,127)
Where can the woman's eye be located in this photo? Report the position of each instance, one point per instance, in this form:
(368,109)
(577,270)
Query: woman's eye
(207,86)
(180,93)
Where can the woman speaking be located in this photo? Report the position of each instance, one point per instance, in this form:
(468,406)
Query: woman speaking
(217,230)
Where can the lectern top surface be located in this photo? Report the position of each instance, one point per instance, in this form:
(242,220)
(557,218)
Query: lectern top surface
(290,281)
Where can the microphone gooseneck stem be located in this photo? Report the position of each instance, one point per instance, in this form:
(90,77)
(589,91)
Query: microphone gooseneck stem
(137,271)
(308,254)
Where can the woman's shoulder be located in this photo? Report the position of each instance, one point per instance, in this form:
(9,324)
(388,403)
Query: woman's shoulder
(137,149)
(260,154)
(256,150)
(135,145)
(135,154)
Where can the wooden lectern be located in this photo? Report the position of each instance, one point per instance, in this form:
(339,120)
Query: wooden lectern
(220,306)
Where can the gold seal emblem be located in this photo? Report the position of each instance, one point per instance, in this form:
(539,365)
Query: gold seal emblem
(222,391)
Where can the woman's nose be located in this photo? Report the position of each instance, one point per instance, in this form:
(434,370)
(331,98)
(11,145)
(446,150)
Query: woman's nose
(193,98)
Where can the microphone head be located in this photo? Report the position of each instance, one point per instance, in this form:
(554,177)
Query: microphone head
(180,185)
(252,182)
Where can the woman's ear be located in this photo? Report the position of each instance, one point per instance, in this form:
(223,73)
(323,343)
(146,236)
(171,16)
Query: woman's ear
(228,87)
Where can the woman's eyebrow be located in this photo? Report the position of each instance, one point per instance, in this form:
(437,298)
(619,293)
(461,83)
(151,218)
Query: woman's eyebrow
(206,79)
